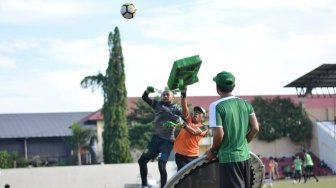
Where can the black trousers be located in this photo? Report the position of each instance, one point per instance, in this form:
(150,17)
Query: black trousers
(235,174)
(182,160)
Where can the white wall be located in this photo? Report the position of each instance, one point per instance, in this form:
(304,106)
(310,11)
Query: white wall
(278,148)
(327,146)
(91,176)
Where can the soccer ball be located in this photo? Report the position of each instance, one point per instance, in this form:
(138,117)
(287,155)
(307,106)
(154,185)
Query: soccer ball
(128,10)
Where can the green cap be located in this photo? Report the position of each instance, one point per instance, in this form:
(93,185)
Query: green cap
(224,79)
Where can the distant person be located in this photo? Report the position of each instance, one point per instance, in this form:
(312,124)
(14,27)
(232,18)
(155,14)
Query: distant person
(271,166)
(297,169)
(276,168)
(161,143)
(186,145)
(287,171)
(309,169)
(234,124)
(7,186)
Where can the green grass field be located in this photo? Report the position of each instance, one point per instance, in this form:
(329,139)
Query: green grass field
(324,182)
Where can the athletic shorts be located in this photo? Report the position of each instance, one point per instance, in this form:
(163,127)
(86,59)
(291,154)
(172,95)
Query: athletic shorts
(158,147)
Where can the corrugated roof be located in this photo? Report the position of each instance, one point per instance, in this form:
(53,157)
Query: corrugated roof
(28,125)
(322,76)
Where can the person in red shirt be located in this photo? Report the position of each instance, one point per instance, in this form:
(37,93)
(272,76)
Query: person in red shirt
(186,145)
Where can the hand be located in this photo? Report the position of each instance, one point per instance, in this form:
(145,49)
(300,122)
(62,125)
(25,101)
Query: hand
(150,89)
(184,92)
(210,155)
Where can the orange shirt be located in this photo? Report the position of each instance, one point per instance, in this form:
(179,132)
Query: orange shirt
(187,144)
(271,166)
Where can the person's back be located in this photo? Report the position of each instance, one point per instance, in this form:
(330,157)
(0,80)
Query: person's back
(309,171)
(308,159)
(234,125)
(235,115)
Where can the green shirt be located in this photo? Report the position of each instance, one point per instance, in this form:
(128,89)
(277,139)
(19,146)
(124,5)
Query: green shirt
(308,160)
(297,164)
(232,114)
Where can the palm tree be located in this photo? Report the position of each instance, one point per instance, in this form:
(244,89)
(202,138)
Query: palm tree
(80,139)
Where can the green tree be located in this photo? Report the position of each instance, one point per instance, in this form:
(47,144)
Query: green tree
(142,113)
(80,139)
(140,122)
(115,136)
(4,159)
(282,118)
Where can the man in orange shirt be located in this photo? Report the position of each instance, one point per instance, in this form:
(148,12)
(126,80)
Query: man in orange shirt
(186,145)
(271,166)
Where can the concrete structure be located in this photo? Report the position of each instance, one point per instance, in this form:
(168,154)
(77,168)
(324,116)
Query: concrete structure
(88,176)
(326,143)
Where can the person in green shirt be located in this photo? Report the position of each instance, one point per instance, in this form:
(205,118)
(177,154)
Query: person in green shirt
(287,172)
(297,169)
(234,125)
(309,167)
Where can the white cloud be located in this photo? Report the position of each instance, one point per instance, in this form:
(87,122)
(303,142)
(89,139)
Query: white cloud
(91,52)
(27,11)
(52,91)
(18,45)
(7,63)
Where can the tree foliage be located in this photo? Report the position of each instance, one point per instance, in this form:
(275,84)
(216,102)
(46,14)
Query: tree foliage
(282,118)
(115,136)
(140,134)
(11,160)
(142,113)
(140,123)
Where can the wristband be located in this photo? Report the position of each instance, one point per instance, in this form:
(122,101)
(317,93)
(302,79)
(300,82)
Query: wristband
(184,126)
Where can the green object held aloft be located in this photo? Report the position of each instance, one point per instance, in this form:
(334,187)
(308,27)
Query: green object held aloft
(184,72)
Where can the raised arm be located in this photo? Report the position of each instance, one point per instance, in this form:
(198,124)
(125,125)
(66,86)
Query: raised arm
(145,95)
(184,104)
(186,115)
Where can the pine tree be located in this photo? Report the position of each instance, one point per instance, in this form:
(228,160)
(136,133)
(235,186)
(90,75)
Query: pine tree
(115,136)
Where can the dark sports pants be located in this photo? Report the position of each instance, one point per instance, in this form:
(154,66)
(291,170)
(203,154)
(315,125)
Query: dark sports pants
(182,160)
(235,175)
(156,147)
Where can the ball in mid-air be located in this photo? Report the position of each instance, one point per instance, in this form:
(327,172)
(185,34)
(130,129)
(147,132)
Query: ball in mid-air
(128,10)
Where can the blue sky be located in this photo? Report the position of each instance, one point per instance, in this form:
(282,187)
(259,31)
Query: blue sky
(48,46)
